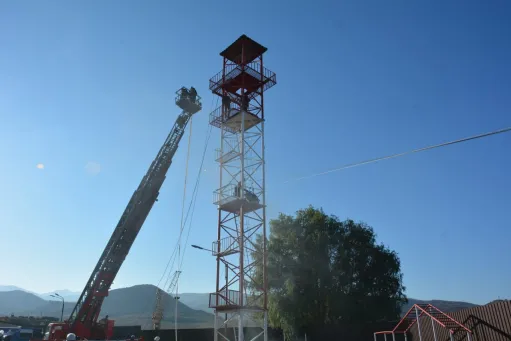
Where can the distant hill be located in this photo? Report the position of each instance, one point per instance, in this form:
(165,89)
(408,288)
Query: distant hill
(127,306)
(69,296)
(201,302)
(18,301)
(137,303)
(10,288)
(134,306)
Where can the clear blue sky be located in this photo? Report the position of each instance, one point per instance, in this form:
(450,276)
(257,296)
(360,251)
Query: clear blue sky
(94,81)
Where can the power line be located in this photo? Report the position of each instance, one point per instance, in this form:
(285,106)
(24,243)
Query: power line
(351,165)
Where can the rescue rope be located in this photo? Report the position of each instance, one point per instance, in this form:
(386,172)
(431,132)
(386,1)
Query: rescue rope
(176,297)
(172,259)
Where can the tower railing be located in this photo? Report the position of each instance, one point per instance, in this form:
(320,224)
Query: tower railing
(231,192)
(226,155)
(225,194)
(220,120)
(225,246)
(217,118)
(232,71)
(231,299)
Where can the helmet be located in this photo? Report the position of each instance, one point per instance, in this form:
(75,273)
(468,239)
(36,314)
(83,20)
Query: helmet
(157,338)
(1,332)
(71,337)
(132,337)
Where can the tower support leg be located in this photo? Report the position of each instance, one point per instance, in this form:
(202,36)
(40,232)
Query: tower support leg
(215,324)
(265,325)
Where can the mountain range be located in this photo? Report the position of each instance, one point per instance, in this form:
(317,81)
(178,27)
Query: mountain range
(127,306)
(200,301)
(68,295)
(134,305)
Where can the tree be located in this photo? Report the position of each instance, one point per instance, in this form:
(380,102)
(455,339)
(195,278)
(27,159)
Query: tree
(326,272)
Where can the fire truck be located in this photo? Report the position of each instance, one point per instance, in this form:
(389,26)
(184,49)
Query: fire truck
(83,321)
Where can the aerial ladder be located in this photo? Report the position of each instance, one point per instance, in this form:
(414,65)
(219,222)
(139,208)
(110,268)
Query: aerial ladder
(83,321)
(159,307)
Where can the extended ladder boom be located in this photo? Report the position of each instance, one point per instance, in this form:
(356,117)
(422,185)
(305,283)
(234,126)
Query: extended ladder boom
(85,314)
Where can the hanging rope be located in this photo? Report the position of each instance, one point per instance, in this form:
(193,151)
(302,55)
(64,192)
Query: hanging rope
(191,207)
(167,273)
(184,192)
(182,223)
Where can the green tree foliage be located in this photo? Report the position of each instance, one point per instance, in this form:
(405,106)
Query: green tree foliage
(326,272)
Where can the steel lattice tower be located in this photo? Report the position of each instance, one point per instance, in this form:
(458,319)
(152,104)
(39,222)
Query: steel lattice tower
(241,292)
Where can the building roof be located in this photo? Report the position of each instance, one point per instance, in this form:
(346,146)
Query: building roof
(419,310)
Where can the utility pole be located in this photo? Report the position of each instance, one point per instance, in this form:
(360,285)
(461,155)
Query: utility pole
(62,310)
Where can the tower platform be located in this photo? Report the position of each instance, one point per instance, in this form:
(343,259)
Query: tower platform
(226,156)
(251,77)
(232,302)
(243,69)
(230,199)
(225,247)
(233,120)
